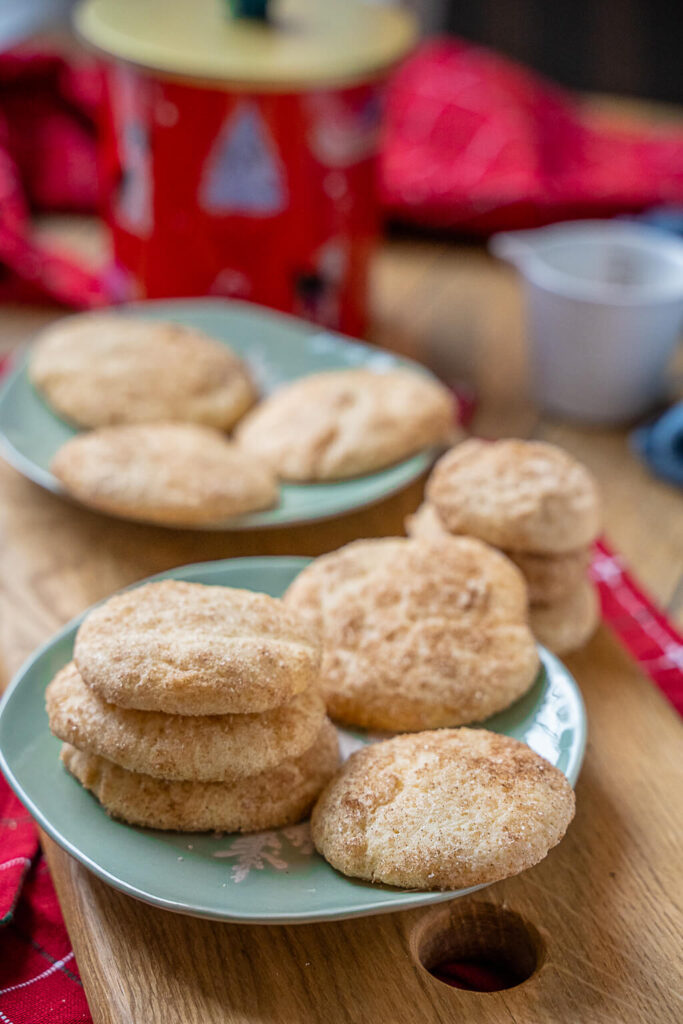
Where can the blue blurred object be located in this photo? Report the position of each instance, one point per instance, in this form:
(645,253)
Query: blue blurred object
(256,9)
(660,445)
(667,218)
(19,20)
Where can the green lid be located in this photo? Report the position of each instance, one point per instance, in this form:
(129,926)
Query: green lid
(302,43)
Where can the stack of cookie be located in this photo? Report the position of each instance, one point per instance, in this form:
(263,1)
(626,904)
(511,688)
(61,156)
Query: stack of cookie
(416,634)
(195,708)
(537,504)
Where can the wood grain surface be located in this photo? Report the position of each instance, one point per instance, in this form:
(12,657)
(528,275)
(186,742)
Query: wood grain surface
(606,903)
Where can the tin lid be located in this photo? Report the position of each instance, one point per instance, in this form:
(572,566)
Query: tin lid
(302,42)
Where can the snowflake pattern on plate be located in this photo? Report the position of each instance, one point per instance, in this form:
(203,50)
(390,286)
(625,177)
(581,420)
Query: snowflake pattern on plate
(253,852)
(279,848)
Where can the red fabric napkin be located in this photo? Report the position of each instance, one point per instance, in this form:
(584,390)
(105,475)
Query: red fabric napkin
(476,142)
(643,628)
(39,982)
(18,847)
(47,162)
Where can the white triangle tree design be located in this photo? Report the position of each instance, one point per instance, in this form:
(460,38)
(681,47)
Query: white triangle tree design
(243,173)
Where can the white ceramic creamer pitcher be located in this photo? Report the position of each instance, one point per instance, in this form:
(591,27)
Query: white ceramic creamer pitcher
(605,308)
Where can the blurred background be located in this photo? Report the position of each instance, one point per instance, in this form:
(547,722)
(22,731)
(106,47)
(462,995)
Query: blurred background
(178,148)
(617,46)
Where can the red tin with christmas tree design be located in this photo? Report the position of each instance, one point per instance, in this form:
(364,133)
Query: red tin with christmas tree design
(238,154)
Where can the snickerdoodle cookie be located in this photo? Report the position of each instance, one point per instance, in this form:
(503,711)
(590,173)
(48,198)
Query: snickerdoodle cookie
(416,634)
(518,495)
(567,624)
(197,748)
(190,649)
(549,577)
(175,474)
(552,578)
(344,423)
(442,810)
(97,369)
(426,524)
(280,796)
(324,578)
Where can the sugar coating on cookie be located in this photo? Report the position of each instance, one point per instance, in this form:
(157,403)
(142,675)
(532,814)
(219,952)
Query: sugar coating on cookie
(344,423)
(324,578)
(426,524)
(97,369)
(190,649)
(567,624)
(418,635)
(174,474)
(442,810)
(548,577)
(518,495)
(272,799)
(195,748)
(552,578)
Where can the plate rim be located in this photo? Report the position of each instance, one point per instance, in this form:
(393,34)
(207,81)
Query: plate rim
(178,906)
(416,464)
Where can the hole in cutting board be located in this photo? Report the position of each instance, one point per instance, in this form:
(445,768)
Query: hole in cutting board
(479,947)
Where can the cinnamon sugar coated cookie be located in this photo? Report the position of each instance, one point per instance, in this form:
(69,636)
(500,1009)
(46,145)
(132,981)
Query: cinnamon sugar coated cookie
(190,649)
(97,369)
(549,577)
(344,423)
(518,495)
(274,798)
(426,524)
(329,574)
(442,810)
(418,635)
(175,474)
(568,624)
(197,748)
(552,578)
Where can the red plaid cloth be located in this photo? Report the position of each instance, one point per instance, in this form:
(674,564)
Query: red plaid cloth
(47,161)
(477,143)
(39,982)
(644,630)
(19,845)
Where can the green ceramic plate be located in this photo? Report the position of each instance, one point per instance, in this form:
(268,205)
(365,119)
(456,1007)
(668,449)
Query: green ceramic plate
(270,877)
(278,348)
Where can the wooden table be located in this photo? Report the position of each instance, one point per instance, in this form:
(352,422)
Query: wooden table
(605,903)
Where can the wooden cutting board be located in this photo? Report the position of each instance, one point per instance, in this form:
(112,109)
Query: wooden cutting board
(602,907)
(597,924)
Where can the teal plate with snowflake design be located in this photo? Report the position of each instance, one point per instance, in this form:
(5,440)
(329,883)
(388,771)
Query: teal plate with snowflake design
(270,877)
(278,349)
